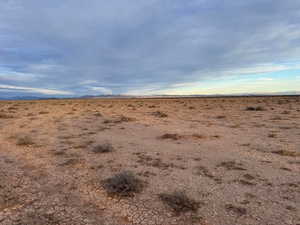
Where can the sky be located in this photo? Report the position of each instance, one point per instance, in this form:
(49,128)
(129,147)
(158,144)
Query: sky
(148,47)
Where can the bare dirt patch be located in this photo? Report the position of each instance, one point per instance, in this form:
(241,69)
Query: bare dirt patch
(63,161)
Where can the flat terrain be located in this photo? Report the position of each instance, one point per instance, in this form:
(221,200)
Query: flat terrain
(236,159)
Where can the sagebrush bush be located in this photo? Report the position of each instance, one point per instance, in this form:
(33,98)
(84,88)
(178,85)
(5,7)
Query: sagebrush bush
(170,136)
(255,108)
(123,184)
(179,202)
(5,116)
(24,140)
(286,153)
(159,114)
(103,148)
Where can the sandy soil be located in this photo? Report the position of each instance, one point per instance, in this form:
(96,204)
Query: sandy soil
(241,166)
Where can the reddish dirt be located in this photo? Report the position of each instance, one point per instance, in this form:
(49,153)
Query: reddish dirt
(241,166)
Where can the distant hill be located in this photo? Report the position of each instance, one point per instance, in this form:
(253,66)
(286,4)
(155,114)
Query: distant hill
(296,93)
(25,98)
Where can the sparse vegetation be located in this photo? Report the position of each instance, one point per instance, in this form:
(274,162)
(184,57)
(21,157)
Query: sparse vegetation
(286,153)
(231,165)
(5,116)
(123,184)
(159,114)
(98,114)
(124,119)
(243,182)
(198,136)
(24,140)
(195,151)
(69,162)
(255,108)
(103,148)
(179,202)
(272,135)
(119,120)
(43,112)
(153,162)
(236,209)
(201,170)
(170,136)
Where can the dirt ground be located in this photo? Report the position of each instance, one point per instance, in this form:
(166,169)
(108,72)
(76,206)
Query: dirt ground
(238,158)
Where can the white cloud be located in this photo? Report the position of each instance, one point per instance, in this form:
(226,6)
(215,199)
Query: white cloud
(43,67)
(88,82)
(217,75)
(265,79)
(129,45)
(18,76)
(35,90)
(178,85)
(268,68)
(102,90)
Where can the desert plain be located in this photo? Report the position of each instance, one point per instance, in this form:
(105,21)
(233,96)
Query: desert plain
(206,161)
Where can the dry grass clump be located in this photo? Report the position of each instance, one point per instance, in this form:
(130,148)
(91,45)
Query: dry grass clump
(24,140)
(272,135)
(121,119)
(124,119)
(69,162)
(236,209)
(107,121)
(153,162)
(179,202)
(98,114)
(123,184)
(5,116)
(103,148)
(43,112)
(286,153)
(255,108)
(170,136)
(231,165)
(198,136)
(159,114)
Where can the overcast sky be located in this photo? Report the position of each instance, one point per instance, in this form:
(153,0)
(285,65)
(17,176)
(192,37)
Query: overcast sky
(76,47)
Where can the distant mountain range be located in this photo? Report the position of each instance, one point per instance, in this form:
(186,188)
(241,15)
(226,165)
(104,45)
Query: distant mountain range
(25,98)
(52,97)
(147,96)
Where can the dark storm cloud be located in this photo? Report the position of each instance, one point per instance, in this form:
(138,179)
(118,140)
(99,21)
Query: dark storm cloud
(87,47)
